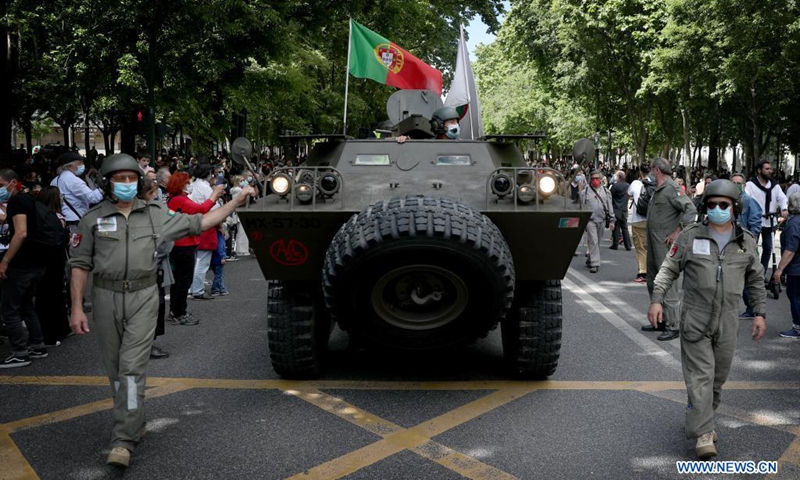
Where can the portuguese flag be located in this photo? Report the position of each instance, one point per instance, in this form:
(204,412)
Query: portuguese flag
(373,56)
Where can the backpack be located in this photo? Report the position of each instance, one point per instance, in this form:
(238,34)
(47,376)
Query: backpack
(644,197)
(49,230)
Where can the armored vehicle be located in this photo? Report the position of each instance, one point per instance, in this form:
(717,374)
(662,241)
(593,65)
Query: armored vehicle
(424,244)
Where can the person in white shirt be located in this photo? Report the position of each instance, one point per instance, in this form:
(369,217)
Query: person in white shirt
(639,225)
(77,195)
(201,191)
(772,200)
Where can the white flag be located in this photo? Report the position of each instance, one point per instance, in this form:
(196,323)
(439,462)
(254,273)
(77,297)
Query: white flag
(463,94)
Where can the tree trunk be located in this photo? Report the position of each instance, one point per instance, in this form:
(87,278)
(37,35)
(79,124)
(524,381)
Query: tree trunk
(688,148)
(713,152)
(697,154)
(28,129)
(128,141)
(105,142)
(8,70)
(756,119)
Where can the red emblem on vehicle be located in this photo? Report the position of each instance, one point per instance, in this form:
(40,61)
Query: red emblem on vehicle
(291,254)
(256,236)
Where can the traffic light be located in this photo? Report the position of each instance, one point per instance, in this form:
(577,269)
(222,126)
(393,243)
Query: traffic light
(140,120)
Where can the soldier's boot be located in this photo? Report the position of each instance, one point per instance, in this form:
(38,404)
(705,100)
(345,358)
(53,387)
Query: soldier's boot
(119,457)
(705,446)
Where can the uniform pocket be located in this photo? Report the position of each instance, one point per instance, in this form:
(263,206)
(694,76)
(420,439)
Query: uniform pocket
(694,323)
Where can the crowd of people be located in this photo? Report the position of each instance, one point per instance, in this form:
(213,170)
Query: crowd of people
(69,186)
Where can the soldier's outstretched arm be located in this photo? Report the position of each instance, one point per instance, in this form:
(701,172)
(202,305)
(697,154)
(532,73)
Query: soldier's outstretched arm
(215,217)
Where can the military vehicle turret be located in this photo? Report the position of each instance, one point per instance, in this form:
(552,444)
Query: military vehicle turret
(424,244)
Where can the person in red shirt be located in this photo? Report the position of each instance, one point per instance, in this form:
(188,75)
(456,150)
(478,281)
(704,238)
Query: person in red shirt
(183,254)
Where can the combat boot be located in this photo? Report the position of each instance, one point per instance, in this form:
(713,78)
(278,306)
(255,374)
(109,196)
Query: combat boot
(119,457)
(705,446)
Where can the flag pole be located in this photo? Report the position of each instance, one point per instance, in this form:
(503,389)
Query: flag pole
(465,61)
(347,76)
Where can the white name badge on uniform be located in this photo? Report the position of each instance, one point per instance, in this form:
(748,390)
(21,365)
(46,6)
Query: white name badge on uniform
(107,224)
(701,246)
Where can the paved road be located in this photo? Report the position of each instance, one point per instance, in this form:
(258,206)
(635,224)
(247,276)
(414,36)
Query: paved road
(614,409)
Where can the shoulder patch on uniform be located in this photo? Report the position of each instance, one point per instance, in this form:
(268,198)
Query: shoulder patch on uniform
(75,240)
(171,213)
(673,251)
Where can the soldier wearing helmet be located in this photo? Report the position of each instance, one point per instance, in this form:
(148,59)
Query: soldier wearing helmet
(718,259)
(444,124)
(117,242)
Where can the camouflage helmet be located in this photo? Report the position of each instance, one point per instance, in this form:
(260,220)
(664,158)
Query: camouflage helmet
(441,115)
(724,188)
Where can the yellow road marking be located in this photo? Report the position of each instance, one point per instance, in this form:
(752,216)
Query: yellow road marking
(460,463)
(340,408)
(390,385)
(85,409)
(15,466)
(791,455)
(414,438)
(395,438)
(463,464)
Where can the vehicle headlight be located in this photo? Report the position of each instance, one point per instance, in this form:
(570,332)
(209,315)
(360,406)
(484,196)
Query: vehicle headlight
(525,193)
(547,184)
(328,184)
(281,184)
(502,185)
(304,192)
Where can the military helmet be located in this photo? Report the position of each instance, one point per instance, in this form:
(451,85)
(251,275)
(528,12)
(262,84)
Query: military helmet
(724,188)
(441,115)
(117,163)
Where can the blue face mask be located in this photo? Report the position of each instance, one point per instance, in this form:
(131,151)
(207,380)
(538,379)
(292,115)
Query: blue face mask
(718,216)
(80,170)
(243,184)
(4,194)
(125,191)
(453,132)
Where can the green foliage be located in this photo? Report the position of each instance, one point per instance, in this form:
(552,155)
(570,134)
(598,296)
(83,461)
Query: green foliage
(641,67)
(198,62)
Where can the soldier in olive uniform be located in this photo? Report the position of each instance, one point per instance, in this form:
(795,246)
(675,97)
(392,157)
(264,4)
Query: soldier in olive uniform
(670,211)
(117,241)
(718,259)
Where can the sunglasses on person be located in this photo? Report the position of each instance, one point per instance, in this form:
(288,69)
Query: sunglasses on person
(721,205)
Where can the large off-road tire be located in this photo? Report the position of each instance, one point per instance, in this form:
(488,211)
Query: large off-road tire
(298,329)
(418,272)
(532,330)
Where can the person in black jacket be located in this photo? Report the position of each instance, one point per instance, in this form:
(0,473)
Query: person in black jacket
(619,199)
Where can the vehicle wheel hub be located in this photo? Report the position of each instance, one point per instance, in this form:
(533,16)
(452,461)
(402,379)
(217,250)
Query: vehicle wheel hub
(419,297)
